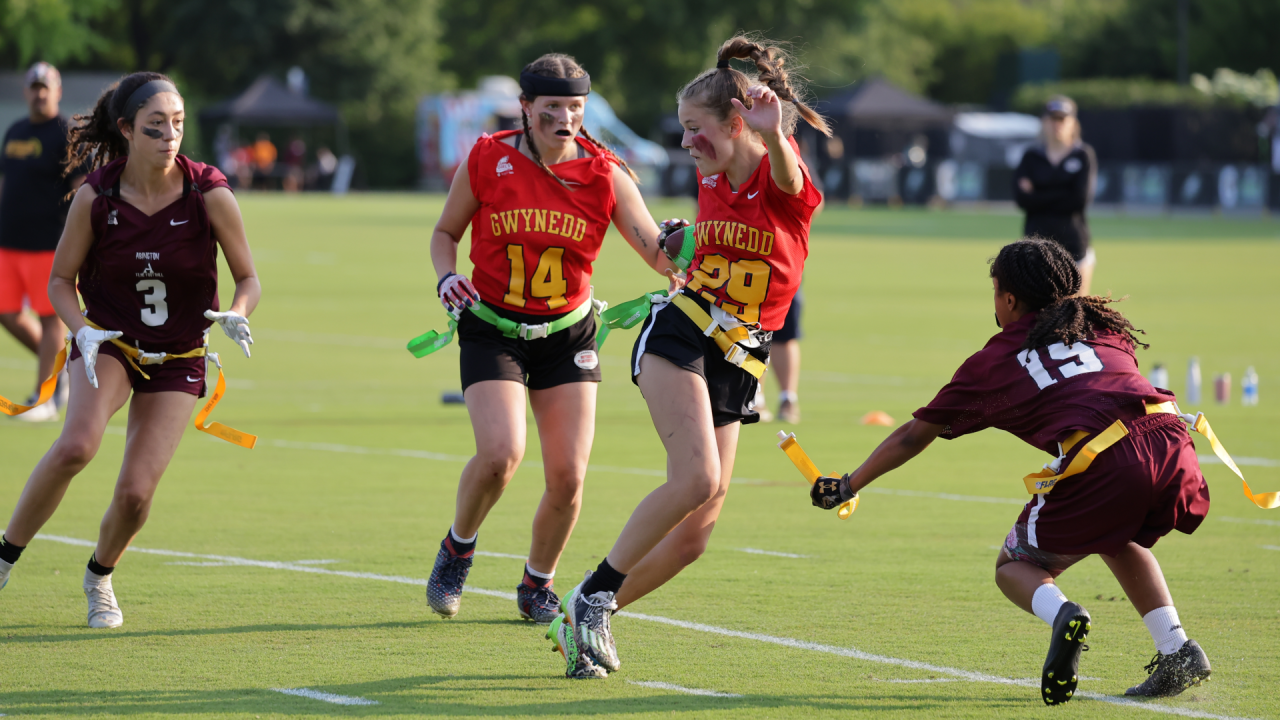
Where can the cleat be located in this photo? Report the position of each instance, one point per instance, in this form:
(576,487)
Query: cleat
(578,666)
(46,412)
(789,412)
(5,568)
(541,605)
(1070,628)
(444,590)
(104,612)
(588,617)
(1171,674)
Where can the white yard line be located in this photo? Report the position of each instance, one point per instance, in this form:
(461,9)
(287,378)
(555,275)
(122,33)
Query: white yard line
(1251,521)
(755,551)
(325,697)
(1270,547)
(681,689)
(792,643)
(925,680)
(1257,461)
(486,553)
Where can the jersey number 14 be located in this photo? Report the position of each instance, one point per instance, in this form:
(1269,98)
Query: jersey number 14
(1086,361)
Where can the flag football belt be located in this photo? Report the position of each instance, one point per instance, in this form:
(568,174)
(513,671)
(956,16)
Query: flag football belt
(137,358)
(1045,480)
(431,341)
(629,314)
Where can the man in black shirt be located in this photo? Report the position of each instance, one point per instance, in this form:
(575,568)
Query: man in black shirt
(34,197)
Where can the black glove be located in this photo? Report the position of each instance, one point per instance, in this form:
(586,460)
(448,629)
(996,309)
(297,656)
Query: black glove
(830,493)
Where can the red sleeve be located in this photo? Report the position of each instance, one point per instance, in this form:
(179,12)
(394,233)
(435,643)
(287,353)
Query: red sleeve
(473,168)
(962,405)
(804,202)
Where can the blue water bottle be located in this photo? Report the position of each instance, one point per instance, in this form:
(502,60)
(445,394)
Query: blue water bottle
(1249,387)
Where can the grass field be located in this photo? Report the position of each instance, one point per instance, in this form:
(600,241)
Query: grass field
(892,614)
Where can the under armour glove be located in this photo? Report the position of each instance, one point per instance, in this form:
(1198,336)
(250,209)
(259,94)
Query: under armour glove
(456,291)
(830,493)
(88,340)
(674,242)
(235,326)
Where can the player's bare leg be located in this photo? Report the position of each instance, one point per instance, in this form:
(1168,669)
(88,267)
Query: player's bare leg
(1032,588)
(23,328)
(784,359)
(1020,580)
(567,413)
(1139,574)
(497,411)
(88,411)
(682,546)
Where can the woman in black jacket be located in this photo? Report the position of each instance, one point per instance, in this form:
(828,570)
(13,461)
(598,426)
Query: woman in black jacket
(1054,184)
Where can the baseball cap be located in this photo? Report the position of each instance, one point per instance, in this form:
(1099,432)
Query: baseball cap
(42,73)
(1060,105)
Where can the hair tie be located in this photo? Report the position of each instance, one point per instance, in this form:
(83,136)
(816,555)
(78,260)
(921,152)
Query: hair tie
(722,65)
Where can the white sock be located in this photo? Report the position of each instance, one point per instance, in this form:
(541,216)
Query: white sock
(462,539)
(541,576)
(787,395)
(1047,601)
(1166,630)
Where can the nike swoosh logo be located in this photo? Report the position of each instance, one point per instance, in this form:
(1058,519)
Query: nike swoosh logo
(752,195)
(175,223)
(191,379)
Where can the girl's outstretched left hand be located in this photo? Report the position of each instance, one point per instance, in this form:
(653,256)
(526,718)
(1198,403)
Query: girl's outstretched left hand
(765,114)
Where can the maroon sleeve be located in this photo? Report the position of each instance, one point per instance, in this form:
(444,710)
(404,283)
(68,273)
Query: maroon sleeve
(961,405)
(210,177)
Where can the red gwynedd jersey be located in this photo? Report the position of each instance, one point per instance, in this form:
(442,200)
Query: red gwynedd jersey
(752,244)
(153,277)
(1043,395)
(533,240)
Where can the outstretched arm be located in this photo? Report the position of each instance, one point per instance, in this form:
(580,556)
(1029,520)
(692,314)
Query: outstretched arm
(765,118)
(633,220)
(903,444)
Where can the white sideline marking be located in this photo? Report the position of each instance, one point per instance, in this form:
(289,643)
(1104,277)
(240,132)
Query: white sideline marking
(1251,521)
(945,496)
(1260,462)
(1270,547)
(697,627)
(315,562)
(928,680)
(501,555)
(325,697)
(201,564)
(755,551)
(679,688)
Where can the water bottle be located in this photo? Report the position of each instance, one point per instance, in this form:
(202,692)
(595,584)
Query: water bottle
(1249,387)
(1222,388)
(1160,376)
(1193,381)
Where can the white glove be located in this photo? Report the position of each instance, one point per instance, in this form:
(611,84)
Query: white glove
(235,326)
(456,291)
(88,340)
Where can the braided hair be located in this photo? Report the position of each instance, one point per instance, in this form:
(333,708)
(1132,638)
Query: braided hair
(715,88)
(1044,277)
(559,65)
(95,139)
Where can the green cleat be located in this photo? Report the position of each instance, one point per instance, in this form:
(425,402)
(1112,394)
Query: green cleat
(578,665)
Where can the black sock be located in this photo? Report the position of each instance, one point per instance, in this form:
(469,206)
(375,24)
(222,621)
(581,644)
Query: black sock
(461,548)
(604,578)
(10,552)
(97,569)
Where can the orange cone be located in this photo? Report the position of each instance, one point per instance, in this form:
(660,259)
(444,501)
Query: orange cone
(877,417)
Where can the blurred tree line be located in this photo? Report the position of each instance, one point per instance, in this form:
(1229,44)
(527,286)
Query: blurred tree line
(376,58)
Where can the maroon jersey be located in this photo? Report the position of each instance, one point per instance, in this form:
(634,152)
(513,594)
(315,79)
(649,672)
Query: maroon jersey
(152,277)
(1043,395)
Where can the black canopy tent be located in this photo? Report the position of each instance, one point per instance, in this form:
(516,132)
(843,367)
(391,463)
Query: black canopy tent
(269,103)
(876,116)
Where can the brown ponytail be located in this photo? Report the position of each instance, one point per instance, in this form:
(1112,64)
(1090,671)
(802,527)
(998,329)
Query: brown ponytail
(559,65)
(715,88)
(95,139)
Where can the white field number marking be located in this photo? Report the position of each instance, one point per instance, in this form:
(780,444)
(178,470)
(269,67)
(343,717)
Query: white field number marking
(848,652)
(156,293)
(326,697)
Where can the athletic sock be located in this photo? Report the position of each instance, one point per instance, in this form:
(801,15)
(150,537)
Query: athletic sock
(10,552)
(460,545)
(1047,601)
(535,579)
(604,578)
(787,395)
(98,569)
(1166,630)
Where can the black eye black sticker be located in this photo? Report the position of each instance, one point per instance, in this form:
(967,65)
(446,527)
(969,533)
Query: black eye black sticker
(152,133)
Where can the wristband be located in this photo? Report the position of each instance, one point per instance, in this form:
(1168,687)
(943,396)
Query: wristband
(446,277)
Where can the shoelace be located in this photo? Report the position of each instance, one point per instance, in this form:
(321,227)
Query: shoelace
(454,569)
(101,599)
(544,597)
(1154,664)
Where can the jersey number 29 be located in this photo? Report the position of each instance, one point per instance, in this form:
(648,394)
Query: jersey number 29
(158,311)
(1086,362)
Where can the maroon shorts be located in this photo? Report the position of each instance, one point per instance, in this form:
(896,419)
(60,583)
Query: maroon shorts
(1137,490)
(182,375)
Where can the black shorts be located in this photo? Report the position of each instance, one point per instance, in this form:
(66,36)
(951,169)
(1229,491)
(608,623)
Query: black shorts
(568,356)
(669,334)
(791,326)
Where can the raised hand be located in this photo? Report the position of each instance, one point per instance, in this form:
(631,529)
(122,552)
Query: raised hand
(88,340)
(235,326)
(765,114)
(457,292)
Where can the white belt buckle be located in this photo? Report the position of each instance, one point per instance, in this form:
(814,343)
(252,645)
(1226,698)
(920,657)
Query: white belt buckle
(736,355)
(146,358)
(534,332)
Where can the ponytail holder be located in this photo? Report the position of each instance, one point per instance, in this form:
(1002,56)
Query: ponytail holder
(722,65)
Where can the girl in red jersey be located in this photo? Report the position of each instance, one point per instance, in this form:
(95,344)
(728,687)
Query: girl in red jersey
(700,354)
(1062,376)
(538,203)
(142,239)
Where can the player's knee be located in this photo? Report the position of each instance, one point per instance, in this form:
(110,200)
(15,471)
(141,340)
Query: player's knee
(691,548)
(132,504)
(701,488)
(497,463)
(73,453)
(564,487)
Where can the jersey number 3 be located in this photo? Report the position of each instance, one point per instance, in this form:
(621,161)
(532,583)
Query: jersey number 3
(1086,362)
(158,311)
